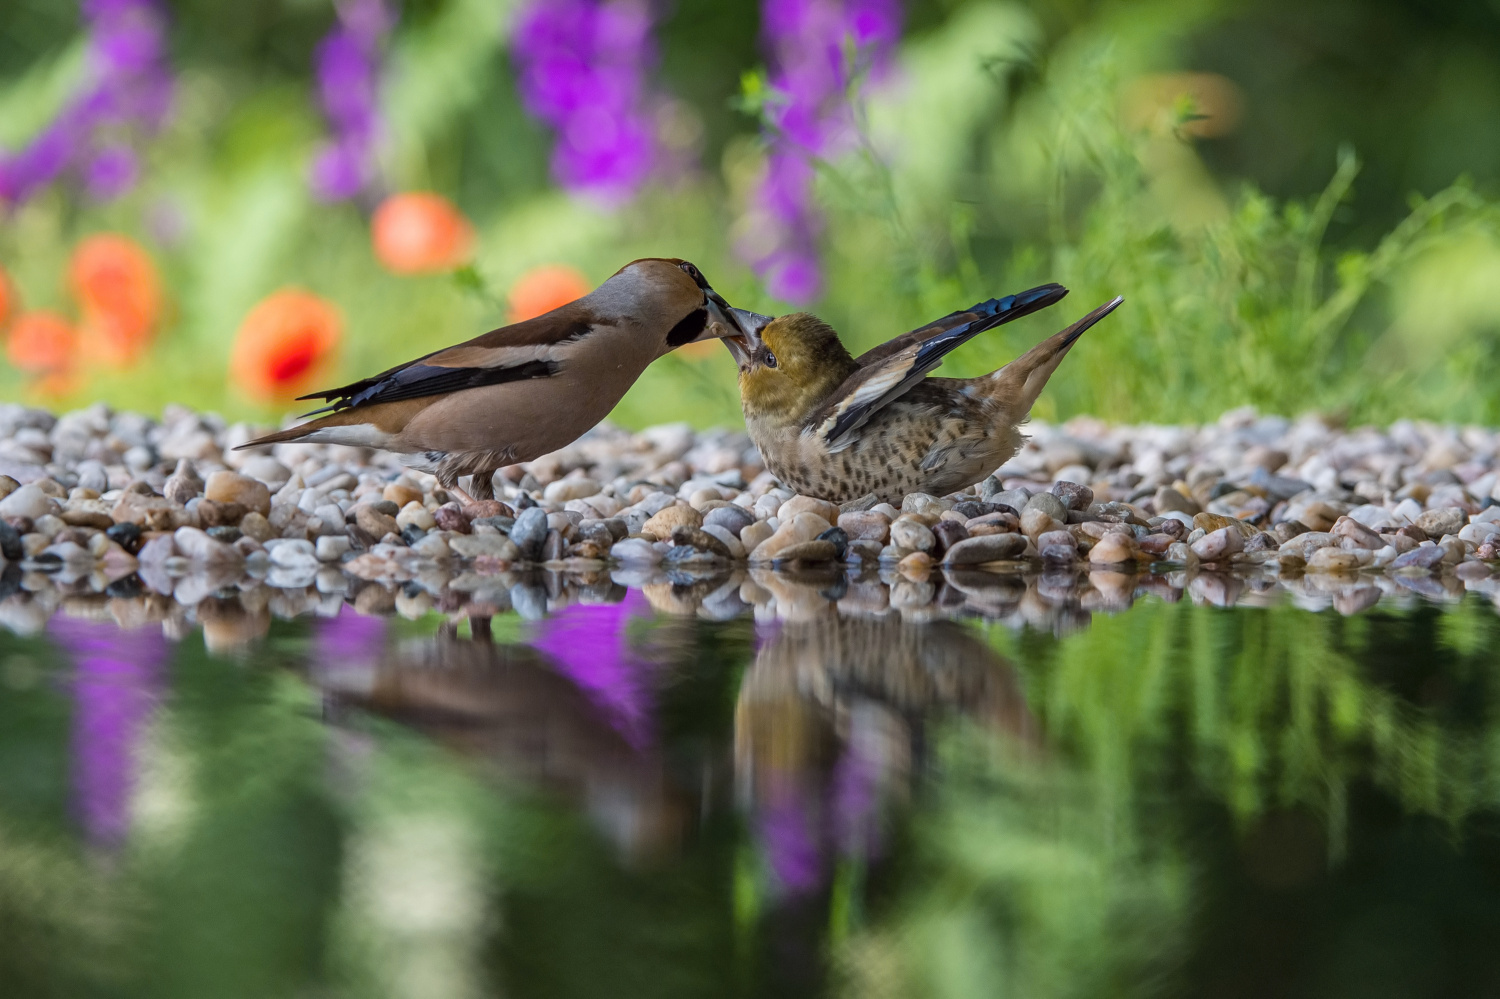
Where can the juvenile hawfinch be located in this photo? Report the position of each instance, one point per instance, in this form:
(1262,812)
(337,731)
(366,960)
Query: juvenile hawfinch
(875,428)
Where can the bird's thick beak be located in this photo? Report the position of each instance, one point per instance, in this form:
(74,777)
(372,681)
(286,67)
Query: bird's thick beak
(742,346)
(739,329)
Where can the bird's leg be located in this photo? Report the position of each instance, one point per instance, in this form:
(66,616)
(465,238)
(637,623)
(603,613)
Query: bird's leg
(482,487)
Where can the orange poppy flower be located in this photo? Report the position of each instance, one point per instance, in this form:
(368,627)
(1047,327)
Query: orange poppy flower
(6,297)
(119,295)
(41,342)
(545,288)
(421,233)
(284,344)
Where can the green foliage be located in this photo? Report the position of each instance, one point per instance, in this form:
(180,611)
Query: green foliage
(1004,151)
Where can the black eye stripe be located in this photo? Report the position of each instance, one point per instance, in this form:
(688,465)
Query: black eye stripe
(688,328)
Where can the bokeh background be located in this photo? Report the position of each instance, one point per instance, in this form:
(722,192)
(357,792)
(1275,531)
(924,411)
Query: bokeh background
(223,204)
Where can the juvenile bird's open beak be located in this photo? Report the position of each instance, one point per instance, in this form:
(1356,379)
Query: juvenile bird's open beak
(750,324)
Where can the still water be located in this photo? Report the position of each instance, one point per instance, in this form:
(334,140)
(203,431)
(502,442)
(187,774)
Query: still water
(767,786)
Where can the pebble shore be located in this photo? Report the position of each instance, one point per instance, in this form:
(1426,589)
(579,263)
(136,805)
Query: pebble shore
(95,497)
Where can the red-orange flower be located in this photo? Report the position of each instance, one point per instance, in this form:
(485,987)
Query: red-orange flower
(7,298)
(284,344)
(543,289)
(119,296)
(421,233)
(41,343)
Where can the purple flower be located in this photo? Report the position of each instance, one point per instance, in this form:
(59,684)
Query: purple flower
(588,644)
(789,836)
(348,71)
(349,638)
(583,68)
(115,681)
(127,90)
(859,781)
(819,48)
(111,173)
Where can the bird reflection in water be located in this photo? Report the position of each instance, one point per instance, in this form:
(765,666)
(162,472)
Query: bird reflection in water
(830,720)
(833,718)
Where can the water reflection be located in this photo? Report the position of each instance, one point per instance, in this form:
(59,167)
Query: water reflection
(752,783)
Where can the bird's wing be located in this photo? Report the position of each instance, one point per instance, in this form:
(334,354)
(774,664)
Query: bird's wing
(535,348)
(891,370)
(1004,309)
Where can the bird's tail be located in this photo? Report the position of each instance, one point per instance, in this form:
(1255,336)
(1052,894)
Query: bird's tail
(344,427)
(1020,382)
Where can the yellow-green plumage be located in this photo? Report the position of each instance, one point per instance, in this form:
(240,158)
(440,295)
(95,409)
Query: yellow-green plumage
(800,390)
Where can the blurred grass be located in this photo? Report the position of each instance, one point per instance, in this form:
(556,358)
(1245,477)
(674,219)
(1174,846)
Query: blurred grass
(1003,153)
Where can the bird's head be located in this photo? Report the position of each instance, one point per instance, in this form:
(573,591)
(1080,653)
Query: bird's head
(788,365)
(667,295)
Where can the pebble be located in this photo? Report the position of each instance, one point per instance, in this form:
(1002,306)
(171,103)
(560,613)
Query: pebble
(732,519)
(911,534)
(28,501)
(231,487)
(1218,545)
(925,503)
(569,489)
(373,522)
(807,504)
(1074,496)
(1357,534)
(292,553)
(414,514)
(866,525)
(1048,504)
(694,537)
(987,548)
(635,551)
(495,546)
(808,551)
(731,542)
(1036,521)
(1333,560)
(448,517)
(1112,549)
(332,547)
(1421,557)
(669,518)
(529,533)
(801,528)
(754,534)
(1437,523)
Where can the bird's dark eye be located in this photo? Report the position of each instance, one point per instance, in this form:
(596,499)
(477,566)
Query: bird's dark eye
(691,271)
(770,360)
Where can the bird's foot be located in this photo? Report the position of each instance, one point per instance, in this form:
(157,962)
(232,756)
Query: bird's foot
(463,497)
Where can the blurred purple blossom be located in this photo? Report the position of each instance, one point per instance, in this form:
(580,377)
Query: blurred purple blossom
(819,49)
(115,680)
(589,645)
(349,638)
(127,90)
(583,68)
(790,838)
(348,71)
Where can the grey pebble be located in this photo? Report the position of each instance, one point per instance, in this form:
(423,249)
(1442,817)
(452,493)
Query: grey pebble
(530,532)
(733,519)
